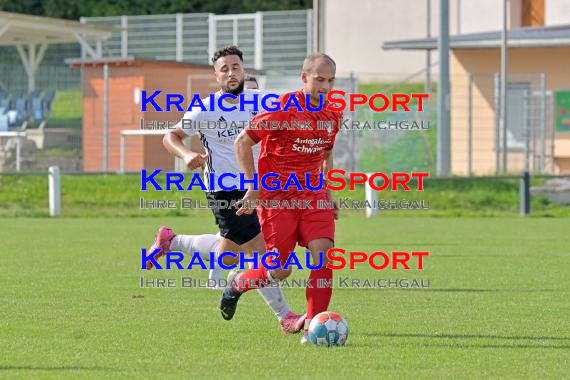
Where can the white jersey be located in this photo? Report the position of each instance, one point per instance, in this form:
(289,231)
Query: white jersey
(219,142)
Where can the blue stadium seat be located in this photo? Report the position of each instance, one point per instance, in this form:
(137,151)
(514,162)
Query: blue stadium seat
(16,108)
(21,107)
(48,99)
(37,109)
(3,121)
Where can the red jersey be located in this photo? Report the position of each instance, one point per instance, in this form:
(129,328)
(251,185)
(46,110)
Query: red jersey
(285,151)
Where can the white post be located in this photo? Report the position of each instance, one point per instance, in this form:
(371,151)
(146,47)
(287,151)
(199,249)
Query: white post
(105,118)
(235,31)
(211,36)
(99,49)
(179,37)
(54,191)
(470,125)
(504,80)
(498,146)
(309,31)
(526,126)
(123,137)
(543,122)
(258,41)
(371,196)
(83,51)
(18,153)
(443,110)
(427,85)
(124,36)
(32,67)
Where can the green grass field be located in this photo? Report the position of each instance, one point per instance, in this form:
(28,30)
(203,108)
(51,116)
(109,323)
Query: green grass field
(67,109)
(119,195)
(498,305)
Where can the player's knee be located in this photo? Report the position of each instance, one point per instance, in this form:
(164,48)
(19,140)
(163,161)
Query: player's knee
(326,260)
(319,249)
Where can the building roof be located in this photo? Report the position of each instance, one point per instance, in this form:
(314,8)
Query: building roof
(130,61)
(21,29)
(552,36)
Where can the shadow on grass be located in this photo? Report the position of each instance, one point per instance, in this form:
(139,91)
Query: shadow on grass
(471,346)
(506,340)
(525,346)
(465,336)
(62,368)
(474,290)
(455,290)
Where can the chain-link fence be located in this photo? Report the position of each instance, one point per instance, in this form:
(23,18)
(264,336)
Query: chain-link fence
(480,146)
(122,145)
(188,37)
(130,139)
(393,141)
(45,127)
(194,37)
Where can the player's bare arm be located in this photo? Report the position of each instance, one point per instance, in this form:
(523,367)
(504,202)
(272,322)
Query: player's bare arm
(196,144)
(328,164)
(243,147)
(174,144)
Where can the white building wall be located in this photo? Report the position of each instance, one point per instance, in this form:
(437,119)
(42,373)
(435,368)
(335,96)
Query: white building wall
(354,31)
(557,12)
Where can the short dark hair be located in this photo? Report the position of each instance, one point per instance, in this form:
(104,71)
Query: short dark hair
(225,51)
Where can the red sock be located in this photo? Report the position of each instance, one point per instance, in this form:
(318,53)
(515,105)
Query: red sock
(318,298)
(250,279)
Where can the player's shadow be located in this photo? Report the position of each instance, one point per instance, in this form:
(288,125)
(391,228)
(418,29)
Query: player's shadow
(505,341)
(475,290)
(467,336)
(507,346)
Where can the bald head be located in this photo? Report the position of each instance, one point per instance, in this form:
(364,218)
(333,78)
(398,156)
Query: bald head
(317,60)
(318,76)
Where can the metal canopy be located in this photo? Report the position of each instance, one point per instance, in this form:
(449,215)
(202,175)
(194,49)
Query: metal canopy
(553,36)
(31,36)
(18,29)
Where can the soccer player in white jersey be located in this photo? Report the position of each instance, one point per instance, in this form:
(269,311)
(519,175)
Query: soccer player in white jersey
(207,243)
(236,232)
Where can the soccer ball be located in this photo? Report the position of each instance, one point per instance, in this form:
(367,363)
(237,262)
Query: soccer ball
(328,329)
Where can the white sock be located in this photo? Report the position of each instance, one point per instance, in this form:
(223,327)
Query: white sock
(204,244)
(216,273)
(274,298)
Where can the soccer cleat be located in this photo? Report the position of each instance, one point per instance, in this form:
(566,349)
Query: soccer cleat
(292,323)
(163,239)
(230,298)
(305,339)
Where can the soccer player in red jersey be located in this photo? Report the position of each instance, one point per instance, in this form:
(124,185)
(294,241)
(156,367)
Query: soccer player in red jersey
(286,151)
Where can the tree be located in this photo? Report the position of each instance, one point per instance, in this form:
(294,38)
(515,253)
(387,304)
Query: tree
(74,9)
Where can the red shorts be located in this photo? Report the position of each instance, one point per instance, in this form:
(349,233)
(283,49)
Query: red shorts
(283,228)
